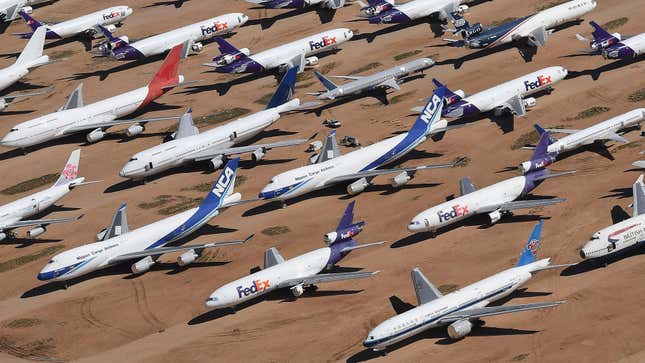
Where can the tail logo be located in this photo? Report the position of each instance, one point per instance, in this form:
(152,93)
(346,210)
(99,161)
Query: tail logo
(428,112)
(70,171)
(541,81)
(533,246)
(223,182)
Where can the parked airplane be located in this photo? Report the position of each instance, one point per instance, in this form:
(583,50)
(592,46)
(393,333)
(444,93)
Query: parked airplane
(532,30)
(624,234)
(83,25)
(604,131)
(496,200)
(192,35)
(299,52)
(144,245)
(374,7)
(12,215)
(383,80)
(9,8)
(509,96)
(298,273)
(614,46)
(462,310)
(214,145)
(31,57)
(75,116)
(299,4)
(360,166)
(382,12)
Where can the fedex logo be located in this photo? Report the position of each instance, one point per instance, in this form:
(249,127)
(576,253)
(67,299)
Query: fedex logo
(112,15)
(457,211)
(256,287)
(70,171)
(217,27)
(541,81)
(324,42)
(428,112)
(224,180)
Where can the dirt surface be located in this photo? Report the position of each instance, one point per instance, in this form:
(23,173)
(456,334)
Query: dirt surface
(159,316)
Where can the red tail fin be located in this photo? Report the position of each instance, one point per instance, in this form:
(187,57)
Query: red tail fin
(166,77)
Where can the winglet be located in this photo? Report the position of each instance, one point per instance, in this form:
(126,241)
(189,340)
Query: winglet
(70,171)
(529,253)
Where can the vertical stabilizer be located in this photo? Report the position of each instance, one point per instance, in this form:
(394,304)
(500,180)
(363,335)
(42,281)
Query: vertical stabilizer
(529,253)
(34,50)
(70,171)
(285,89)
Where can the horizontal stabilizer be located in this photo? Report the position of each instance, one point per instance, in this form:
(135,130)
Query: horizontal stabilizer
(356,247)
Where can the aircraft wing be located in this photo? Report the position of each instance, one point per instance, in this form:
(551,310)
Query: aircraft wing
(562,131)
(162,250)
(209,154)
(110,121)
(516,105)
(39,222)
(9,98)
(495,310)
(611,136)
(330,277)
(353,78)
(377,172)
(521,204)
(390,83)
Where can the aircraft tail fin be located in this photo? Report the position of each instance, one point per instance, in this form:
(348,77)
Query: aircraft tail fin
(167,73)
(32,55)
(223,187)
(31,22)
(599,34)
(529,253)
(226,47)
(540,130)
(347,218)
(638,190)
(540,151)
(70,171)
(325,81)
(430,114)
(285,89)
(186,126)
(450,96)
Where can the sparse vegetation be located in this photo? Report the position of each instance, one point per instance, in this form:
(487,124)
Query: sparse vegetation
(305,85)
(30,184)
(221,116)
(304,76)
(23,260)
(159,201)
(210,255)
(202,187)
(181,204)
(239,180)
(550,4)
(465,162)
(276,230)
(638,96)
(264,99)
(326,68)
(447,288)
(613,24)
(366,67)
(629,145)
(531,137)
(38,350)
(400,97)
(503,21)
(520,357)
(60,54)
(590,112)
(23,323)
(409,54)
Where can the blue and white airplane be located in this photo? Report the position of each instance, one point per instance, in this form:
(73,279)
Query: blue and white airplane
(361,165)
(144,245)
(462,310)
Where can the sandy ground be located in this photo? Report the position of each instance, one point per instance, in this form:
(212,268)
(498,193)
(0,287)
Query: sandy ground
(160,317)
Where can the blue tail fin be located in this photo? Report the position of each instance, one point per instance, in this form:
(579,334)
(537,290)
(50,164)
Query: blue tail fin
(541,148)
(430,114)
(325,81)
(451,97)
(529,253)
(33,23)
(285,89)
(107,34)
(348,217)
(223,187)
(599,34)
(226,47)
(539,129)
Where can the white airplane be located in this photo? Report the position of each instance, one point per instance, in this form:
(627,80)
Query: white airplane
(361,165)
(31,57)
(188,145)
(496,200)
(12,215)
(192,35)
(462,310)
(144,245)
(75,116)
(83,25)
(624,234)
(298,273)
(385,12)
(9,8)
(300,52)
(508,96)
(604,131)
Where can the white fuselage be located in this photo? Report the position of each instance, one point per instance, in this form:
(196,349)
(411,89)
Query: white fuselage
(263,281)
(31,204)
(636,43)
(596,132)
(428,315)
(467,205)
(417,9)
(625,234)
(72,27)
(6,4)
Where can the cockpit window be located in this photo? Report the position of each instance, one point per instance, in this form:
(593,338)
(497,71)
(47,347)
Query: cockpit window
(12,130)
(51,261)
(133,159)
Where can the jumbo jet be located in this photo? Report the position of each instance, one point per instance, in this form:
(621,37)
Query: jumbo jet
(76,117)
(383,80)
(117,243)
(86,25)
(12,215)
(30,58)
(614,46)
(384,12)
(360,166)
(192,35)
(463,309)
(532,30)
(511,96)
(299,273)
(495,200)
(299,52)
(624,234)
(9,8)
(609,130)
(189,145)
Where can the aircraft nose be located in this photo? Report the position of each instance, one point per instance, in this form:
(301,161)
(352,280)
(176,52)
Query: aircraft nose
(45,275)
(211,302)
(128,11)
(415,225)
(583,254)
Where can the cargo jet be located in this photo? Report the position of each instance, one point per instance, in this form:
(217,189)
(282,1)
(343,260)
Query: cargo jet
(614,46)
(383,12)
(299,52)
(192,35)
(360,166)
(9,8)
(30,58)
(299,273)
(189,145)
(12,215)
(462,310)
(76,117)
(299,4)
(495,200)
(118,244)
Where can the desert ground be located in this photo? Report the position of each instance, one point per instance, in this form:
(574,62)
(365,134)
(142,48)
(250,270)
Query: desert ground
(159,316)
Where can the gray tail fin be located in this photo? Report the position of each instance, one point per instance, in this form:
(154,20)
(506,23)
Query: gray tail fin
(75,99)
(325,81)
(34,48)
(424,289)
(639,197)
(272,257)
(186,126)
(70,171)
(119,224)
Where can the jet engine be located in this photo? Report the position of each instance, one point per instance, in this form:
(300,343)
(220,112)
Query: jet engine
(96,135)
(459,329)
(225,59)
(297,290)
(311,61)
(35,232)
(197,47)
(135,129)
(460,93)
(344,234)
(233,198)
(187,258)
(494,216)
(357,186)
(3,104)
(142,265)
(530,102)
(28,9)
(401,179)
(216,162)
(472,30)
(3,236)
(110,27)
(258,154)
(537,164)
(463,9)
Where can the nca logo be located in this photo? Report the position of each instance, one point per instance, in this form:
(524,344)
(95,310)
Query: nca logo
(218,26)
(223,182)
(541,81)
(70,171)
(324,42)
(112,15)
(256,286)
(427,113)
(456,211)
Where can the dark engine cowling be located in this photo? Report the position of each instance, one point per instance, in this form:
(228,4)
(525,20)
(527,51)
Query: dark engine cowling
(472,30)
(537,164)
(344,234)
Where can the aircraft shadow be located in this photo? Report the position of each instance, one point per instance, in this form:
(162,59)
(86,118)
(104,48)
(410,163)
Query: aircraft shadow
(596,72)
(22,86)
(379,95)
(325,16)
(435,28)
(176,3)
(103,74)
(602,262)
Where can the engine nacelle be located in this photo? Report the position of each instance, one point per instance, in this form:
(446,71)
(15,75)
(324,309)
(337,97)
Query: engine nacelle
(257,155)
(315,146)
(187,258)
(197,47)
(311,61)
(96,135)
(441,124)
(537,164)
(134,130)
(401,179)
(472,30)
(357,186)
(216,162)
(460,93)
(100,235)
(297,290)
(617,36)
(28,9)
(3,236)
(529,102)
(35,232)
(110,27)
(463,9)
(344,234)
(459,329)
(3,104)
(233,198)
(142,265)
(494,216)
